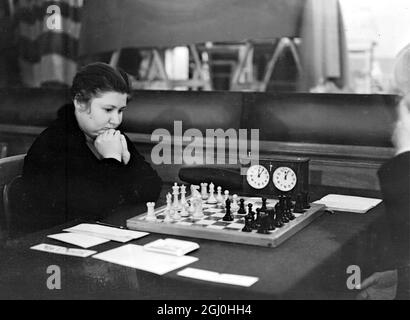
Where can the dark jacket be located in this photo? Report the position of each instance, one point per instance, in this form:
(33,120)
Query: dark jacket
(64,180)
(394,179)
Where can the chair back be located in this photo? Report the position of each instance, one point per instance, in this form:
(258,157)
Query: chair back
(10,168)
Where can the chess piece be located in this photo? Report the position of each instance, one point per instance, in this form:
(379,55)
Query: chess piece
(198,207)
(169,202)
(263,226)
(168,215)
(191,208)
(204,191)
(241,209)
(228,215)
(219,197)
(257,222)
(234,204)
(175,193)
(271,218)
(184,212)
(176,215)
(226,195)
(211,198)
(183,201)
(264,208)
(248,224)
(299,204)
(194,190)
(151,212)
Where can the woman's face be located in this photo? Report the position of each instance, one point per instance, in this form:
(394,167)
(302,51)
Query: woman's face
(104,112)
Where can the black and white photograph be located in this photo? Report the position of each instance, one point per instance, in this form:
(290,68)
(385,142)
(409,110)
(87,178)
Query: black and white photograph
(205,157)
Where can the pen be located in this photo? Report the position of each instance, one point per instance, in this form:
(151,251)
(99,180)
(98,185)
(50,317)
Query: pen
(109,225)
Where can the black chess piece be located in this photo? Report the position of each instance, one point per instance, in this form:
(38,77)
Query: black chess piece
(241,209)
(257,222)
(228,215)
(278,220)
(306,200)
(264,223)
(251,215)
(248,224)
(299,204)
(264,207)
(271,216)
(288,208)
(280,211)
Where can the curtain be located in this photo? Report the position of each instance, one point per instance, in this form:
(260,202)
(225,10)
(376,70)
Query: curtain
(323,45)
(48,41)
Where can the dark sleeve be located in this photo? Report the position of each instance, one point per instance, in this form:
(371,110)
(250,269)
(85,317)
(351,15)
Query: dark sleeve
(142,181)
(394,179)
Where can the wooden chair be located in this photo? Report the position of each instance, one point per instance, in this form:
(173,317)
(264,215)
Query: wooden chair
(10,169)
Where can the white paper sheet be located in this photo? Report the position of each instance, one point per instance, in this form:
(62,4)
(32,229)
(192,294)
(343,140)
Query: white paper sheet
(233,279)
(137,257)
(78,239)
(63,250)
(354,204)
(105,232)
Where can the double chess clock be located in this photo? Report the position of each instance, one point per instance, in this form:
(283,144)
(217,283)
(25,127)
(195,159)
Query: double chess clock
(277,176)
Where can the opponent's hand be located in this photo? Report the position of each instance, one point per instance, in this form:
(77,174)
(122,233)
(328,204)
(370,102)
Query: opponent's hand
(125,155)
(401,134)
(379,286)
(108,144)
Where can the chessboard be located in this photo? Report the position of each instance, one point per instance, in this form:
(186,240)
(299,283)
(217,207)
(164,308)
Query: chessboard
(212,226)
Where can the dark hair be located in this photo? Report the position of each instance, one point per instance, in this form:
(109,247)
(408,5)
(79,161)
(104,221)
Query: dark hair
(96,78)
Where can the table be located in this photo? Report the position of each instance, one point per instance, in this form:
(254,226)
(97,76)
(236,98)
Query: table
(310,265)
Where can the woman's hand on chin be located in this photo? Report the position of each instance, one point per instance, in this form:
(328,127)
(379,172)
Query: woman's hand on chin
(108,144)
(125,153)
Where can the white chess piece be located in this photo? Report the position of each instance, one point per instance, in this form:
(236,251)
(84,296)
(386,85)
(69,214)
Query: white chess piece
(184,212)
(204,191)
(226,197)
(176,215)
(211,198)
(234,205)
(151,212)
(194,190)
(183,201)
(219,197)
(175,193)
(169,202)
(198,208)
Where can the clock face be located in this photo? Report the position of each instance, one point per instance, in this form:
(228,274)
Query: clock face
(258,176)
(284,178)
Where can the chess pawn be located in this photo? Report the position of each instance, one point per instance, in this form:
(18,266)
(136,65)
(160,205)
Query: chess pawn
(204,191)
(176,215)
(219,197)
(168,216)
(184,212)
(234,205)
(226,195)
(191,208)
(241,209)
(211,198)
(169,202)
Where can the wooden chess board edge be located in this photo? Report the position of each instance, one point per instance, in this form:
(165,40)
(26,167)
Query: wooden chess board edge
(251,238)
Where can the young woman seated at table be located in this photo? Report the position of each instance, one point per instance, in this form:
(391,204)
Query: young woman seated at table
(83,165)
